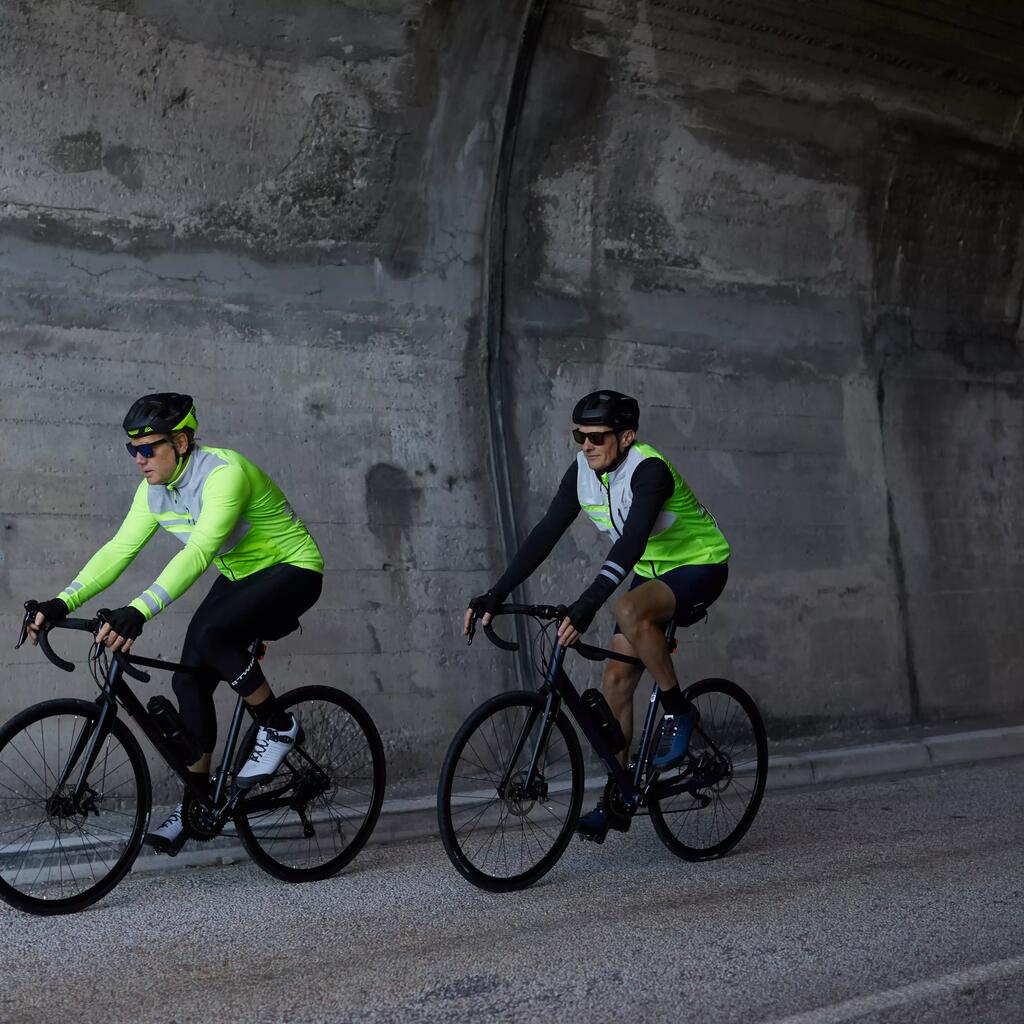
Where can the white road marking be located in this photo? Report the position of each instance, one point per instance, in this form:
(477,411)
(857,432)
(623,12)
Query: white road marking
(907,995)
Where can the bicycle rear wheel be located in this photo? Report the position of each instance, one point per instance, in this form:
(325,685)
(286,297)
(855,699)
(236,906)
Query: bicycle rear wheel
(317,812)
(506,840)
(58,856)
(713,798)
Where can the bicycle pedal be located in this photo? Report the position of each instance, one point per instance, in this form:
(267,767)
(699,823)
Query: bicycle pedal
(160,845)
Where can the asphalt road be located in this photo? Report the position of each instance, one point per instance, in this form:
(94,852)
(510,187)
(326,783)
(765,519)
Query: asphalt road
(888,901)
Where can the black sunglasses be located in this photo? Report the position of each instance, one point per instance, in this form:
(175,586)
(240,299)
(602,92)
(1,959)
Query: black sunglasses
(145,450)
(594,437)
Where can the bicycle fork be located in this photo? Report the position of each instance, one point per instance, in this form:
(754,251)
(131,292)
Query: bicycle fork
(529,785)
(87,747)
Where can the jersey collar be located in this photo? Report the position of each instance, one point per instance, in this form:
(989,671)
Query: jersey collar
(609,474)
(179,474)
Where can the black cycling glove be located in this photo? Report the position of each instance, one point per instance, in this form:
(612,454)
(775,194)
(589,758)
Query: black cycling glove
(581,613)
(53,610)
(488,604)
(126,621)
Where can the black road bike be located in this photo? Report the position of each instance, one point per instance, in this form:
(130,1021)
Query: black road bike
(75,792)
(511,785)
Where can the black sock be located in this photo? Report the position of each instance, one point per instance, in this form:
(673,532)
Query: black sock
(674,702)
(200,783)
(268,714)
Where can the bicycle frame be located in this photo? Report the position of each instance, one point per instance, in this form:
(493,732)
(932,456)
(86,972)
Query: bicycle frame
(115,691)
(559,689)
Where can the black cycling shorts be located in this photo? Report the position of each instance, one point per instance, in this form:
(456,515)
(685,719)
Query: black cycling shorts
(696,588)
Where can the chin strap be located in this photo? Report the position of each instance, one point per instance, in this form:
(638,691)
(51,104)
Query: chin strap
(620,458)
(180,467)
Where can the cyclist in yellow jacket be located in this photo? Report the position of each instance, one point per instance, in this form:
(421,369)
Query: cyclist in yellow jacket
(223,509)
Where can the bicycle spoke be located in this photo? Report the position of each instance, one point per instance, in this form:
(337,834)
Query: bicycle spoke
(67,850)
(505,836)
(726,768)
(335,767)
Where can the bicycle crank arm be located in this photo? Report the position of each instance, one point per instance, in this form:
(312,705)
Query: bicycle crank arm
(689,786)
(265,801)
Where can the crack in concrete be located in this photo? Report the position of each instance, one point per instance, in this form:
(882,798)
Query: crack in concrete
(899,568)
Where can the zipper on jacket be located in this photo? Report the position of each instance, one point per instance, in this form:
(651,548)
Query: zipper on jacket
(611,514)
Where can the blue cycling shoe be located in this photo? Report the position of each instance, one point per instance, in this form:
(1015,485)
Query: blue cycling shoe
(609,813)
(674,741)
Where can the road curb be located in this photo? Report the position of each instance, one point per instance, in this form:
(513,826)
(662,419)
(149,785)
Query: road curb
(406,818)
(866,760)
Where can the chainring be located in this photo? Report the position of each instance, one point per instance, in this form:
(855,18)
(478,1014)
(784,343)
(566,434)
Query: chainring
(199,822)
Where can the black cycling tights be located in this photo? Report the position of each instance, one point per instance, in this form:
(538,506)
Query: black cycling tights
(267,605)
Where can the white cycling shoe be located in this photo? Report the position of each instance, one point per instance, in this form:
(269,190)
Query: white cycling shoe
(272,746)
(170,837)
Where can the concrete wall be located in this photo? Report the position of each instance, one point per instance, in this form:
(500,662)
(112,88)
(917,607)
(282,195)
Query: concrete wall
(281,212)
(793,232)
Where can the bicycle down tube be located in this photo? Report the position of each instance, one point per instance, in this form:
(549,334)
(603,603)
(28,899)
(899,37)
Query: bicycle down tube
(561,686)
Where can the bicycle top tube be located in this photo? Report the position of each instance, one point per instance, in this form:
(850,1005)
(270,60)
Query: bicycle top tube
(547,611)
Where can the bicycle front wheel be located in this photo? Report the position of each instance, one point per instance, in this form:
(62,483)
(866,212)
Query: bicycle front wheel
(704,809)
(60,852)
(502,830)
(317,812)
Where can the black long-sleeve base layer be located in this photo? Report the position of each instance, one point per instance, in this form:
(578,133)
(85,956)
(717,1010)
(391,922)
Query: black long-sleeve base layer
(652,486)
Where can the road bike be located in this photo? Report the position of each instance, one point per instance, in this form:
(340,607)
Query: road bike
(512,782)
(75,790)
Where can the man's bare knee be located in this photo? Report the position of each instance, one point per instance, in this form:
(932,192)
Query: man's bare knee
(632,619)
(626,613)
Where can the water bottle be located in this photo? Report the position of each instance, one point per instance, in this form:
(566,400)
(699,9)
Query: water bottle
(169,722)
(603,718)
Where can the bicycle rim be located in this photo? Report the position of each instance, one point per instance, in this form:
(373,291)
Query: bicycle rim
(318,811)
(57,857)
(724,775)
(501,841)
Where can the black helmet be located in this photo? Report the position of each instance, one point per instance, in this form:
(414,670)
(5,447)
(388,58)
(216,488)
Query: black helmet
(160,414)
(607,408)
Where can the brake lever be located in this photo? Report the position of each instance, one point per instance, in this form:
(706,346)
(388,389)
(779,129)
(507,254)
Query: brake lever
(472,629)
(23,635)
(31,607)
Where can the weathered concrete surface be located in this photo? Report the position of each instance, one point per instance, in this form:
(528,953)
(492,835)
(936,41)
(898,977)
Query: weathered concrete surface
(280,212)
(793,231)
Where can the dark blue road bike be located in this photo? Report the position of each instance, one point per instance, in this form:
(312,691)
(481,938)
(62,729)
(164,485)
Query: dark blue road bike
(512,782)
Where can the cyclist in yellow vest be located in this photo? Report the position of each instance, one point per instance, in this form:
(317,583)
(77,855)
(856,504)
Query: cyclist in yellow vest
(223,509)
(662,534)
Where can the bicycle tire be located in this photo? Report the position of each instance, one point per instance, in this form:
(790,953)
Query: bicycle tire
(356,774)
(729,719)
(468,780)
(33,751)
